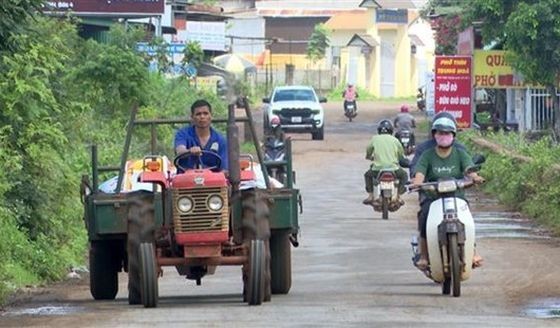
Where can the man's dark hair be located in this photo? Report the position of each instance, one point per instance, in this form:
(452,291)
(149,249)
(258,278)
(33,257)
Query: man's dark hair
(200,103)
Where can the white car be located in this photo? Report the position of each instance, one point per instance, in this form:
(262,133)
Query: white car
(299,109)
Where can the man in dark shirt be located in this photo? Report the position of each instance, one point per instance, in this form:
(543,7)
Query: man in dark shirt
(431,143)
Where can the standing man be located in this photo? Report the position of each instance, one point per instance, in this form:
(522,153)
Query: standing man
(200,136)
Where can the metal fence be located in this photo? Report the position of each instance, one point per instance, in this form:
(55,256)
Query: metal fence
(541,110)
(322,80)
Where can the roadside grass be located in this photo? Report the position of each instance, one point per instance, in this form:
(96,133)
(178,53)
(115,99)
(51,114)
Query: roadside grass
(530,187)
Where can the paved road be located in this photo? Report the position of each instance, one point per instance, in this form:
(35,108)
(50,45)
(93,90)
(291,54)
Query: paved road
(352,268)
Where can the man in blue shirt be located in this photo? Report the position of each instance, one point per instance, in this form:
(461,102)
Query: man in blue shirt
(200,136)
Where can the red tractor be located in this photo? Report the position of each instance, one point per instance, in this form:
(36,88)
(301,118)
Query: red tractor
(193,221)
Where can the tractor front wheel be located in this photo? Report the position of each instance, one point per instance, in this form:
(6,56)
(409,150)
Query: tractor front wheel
(256,227)
(148,275)
(255,286)
(141,227)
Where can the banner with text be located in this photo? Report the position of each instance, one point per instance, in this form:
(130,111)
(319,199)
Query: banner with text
(492,71)
(453,88)
(94,7)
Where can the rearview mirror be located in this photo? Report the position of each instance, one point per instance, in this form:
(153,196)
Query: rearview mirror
(266,100)
(404,162)
(478,159)
(322,99)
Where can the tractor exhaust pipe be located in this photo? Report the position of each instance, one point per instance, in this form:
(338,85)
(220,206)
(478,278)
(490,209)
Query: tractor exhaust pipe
(233,150)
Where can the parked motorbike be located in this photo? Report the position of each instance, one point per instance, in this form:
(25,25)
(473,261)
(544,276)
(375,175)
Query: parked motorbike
(406,139)
(274,151)
(450,235)
(420,100)
(350,110)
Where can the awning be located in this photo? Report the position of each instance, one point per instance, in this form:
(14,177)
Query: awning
(415,40)
(361,40)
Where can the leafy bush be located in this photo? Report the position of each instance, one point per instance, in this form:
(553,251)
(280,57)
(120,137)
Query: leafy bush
(59,94)
(531,187)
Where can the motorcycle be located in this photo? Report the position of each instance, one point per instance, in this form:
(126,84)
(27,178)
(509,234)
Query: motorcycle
(406,139)
(274,151)
(420,100)
(450,235)
(386,197)
(350,110)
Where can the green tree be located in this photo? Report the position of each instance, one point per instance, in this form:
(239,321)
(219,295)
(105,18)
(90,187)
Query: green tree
(193,54)
(14,15)
(318,43)
(530,33)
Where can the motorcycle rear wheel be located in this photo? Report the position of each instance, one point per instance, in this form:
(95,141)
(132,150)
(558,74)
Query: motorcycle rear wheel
(385,208)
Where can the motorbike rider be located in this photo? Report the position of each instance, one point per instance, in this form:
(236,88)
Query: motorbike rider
(442,161)
(405,122)
(276,131)
(431,143)
(420,99)
(384,150)
(350,94)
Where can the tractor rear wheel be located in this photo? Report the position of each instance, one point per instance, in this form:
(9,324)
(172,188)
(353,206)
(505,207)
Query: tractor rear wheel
(148,275)
(103,270)
(256,227)
(141,229)
(281,262)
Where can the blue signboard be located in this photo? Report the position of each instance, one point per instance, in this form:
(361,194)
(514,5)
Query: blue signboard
(172,48)
(395,16)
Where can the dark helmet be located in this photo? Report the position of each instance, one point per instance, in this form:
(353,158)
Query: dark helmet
(385,127)
(445,124)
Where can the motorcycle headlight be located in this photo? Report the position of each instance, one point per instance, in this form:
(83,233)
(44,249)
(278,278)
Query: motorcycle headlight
(185,204)
(446,186)
(215,203)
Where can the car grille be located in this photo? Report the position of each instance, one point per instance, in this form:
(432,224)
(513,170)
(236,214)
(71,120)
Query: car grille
(200,218)
(302,112)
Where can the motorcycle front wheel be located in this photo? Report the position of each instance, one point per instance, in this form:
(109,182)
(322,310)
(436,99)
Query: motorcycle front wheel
(455,265)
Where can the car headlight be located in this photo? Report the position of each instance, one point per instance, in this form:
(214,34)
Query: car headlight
(185,204)
(215,203)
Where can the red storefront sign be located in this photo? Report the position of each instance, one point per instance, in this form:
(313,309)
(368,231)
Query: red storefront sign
(453,88)
(130,7)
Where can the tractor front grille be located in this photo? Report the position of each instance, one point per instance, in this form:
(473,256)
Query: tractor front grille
(200,218)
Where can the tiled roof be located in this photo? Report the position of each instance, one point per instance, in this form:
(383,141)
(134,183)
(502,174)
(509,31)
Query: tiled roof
(362,39)
(356,20)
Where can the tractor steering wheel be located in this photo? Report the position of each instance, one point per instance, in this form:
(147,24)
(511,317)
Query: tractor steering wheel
(200,164)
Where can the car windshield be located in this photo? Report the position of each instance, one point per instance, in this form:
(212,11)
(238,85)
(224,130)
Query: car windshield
(294,94)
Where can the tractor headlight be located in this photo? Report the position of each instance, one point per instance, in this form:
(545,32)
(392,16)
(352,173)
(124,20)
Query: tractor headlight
(185,204)
(215,203)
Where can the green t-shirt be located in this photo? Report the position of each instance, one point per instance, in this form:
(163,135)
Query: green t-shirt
(435,167)
(384,150)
